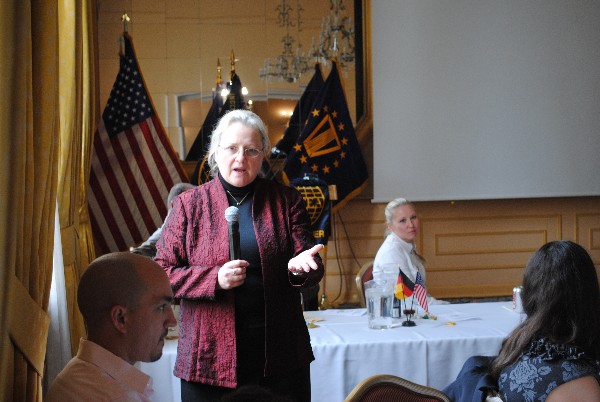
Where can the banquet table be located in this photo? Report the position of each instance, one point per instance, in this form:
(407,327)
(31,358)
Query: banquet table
(347,351)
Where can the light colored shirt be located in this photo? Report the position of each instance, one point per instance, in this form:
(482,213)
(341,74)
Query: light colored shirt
(397,254)
(96,374)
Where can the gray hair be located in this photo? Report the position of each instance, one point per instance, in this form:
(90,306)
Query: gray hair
(245,117)
(389,210)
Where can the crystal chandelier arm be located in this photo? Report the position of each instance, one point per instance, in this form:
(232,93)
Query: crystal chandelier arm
(336,39)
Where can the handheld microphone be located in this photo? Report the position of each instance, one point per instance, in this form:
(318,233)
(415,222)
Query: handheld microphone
(232,215)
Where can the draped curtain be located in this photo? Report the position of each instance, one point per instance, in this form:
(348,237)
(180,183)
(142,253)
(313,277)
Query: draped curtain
(35,170)
(78,111)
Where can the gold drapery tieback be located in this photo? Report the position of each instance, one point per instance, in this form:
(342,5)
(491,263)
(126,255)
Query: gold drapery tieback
(28,324)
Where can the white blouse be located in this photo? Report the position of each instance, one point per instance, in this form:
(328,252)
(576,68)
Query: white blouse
(397,254)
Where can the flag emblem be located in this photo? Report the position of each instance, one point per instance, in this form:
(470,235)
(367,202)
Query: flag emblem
(323,140)
(315,201)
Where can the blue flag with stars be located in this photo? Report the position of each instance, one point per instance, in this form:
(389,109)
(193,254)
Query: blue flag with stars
(300,114)
(328,145)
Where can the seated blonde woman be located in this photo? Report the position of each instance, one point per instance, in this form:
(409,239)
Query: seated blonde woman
(398,248)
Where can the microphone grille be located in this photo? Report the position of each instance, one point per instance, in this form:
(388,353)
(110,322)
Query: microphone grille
(232,214)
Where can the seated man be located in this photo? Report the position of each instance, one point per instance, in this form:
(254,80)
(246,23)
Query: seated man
(125,300)
(148,248)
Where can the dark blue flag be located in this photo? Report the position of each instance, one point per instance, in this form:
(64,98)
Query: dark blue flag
(200,145)
(328,146)
(300,115)
(235,99)
(199,148)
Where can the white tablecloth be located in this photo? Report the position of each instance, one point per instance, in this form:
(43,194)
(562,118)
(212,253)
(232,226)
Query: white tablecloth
(347,351)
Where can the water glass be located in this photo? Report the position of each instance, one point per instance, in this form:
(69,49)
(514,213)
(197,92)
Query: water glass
(379,307)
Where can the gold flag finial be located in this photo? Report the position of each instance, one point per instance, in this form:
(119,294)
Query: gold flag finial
(125,18)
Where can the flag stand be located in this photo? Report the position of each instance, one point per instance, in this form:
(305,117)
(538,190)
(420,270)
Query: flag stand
(408,312)
(324,304)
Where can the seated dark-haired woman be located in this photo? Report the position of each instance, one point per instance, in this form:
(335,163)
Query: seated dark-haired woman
(554,354)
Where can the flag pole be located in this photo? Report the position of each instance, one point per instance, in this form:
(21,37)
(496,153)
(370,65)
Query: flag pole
(125,19)
(324,305)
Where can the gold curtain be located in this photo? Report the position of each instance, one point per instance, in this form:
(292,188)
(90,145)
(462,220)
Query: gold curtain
(78,111)
(29,150)
(34,123)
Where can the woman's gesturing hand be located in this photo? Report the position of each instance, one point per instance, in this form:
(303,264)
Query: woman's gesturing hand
(305,261)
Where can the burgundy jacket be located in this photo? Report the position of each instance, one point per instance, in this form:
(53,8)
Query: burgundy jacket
(195,244)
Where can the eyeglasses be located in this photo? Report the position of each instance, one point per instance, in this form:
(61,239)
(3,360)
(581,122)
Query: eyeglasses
(248,152)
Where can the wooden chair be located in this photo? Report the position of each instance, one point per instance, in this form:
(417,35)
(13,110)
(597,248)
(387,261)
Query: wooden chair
(391,388)
(364,274)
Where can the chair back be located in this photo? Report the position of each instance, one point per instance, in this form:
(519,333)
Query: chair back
(365,274)
(391,388)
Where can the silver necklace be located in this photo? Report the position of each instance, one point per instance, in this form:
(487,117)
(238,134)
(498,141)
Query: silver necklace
(235,199)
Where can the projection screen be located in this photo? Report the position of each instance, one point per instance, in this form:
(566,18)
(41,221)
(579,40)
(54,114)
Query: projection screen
(485,99)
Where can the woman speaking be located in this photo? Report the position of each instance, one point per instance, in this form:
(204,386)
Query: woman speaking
(241,319)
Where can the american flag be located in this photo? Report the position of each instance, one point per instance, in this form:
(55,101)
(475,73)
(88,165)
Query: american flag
(133,164)
(421,292)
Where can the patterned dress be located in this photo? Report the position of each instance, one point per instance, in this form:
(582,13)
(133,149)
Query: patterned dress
(543,367)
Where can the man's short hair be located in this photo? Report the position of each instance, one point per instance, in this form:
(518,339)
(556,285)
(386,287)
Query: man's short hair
(112,279)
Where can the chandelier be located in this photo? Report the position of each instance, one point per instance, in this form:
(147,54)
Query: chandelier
(336,38)
(290,64)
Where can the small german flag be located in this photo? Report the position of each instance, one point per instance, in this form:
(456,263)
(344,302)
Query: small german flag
(404,287)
